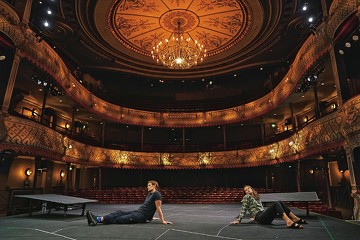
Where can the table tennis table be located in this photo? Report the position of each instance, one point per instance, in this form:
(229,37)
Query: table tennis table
(291,197)
(55,200)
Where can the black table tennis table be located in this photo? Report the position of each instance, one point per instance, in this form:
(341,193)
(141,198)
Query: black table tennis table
(55,200)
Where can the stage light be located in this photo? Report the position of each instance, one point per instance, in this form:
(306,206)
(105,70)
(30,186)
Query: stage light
(305,6)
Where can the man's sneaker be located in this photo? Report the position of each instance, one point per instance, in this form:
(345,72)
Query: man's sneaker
(91,218)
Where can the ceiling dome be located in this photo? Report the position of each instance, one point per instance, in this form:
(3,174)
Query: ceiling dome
(232,31)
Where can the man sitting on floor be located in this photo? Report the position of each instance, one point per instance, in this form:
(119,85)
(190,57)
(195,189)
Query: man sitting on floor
(144,214)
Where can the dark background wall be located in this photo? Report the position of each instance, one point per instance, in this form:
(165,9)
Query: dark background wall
(175,178)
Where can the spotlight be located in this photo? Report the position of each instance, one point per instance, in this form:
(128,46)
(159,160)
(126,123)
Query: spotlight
(305,6)
(28,172)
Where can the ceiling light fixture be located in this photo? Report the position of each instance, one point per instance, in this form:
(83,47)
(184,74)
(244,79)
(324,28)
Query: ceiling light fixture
(305,6)
(179,52)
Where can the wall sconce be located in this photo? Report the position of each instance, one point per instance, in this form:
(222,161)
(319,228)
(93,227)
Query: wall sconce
(28,172)
(311,171)
(306,119)
(62,174)
(34,112)
(67,125)
(333,106)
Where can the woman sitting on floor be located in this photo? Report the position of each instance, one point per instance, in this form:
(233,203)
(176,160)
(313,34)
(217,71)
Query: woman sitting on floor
(251,203)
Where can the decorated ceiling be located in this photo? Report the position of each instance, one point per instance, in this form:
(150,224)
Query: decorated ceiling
(219,25)
(234,32)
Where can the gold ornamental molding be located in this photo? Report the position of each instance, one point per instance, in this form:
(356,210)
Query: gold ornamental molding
(314,48)
(218,25)
(10,24)
(320,136)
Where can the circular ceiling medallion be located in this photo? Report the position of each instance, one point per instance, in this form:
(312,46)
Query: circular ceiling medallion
(218,25)
(172,20)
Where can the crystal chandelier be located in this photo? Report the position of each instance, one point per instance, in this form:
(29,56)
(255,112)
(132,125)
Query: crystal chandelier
(179,52)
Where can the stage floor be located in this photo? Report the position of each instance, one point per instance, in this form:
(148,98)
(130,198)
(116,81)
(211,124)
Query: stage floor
(190,221)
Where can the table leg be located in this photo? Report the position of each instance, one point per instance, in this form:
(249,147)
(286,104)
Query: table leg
(83,209)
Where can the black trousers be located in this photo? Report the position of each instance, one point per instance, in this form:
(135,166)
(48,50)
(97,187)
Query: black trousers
(124,217)
(266,217)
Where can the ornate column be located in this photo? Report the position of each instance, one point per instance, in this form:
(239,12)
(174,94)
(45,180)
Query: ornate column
(45,93)
(100,178)
(324,9)
(68,178)
(293,123)
(338,73)
(350,159)
(27,12)
(263,132)
(317,106)
(103,126)
(11,82)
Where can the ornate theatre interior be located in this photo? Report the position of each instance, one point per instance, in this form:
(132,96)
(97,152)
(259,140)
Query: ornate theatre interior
(109,94)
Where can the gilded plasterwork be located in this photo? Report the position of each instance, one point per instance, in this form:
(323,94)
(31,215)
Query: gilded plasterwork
(314,48)
(318,136)
(216,24)
(27,133)
(3,130)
